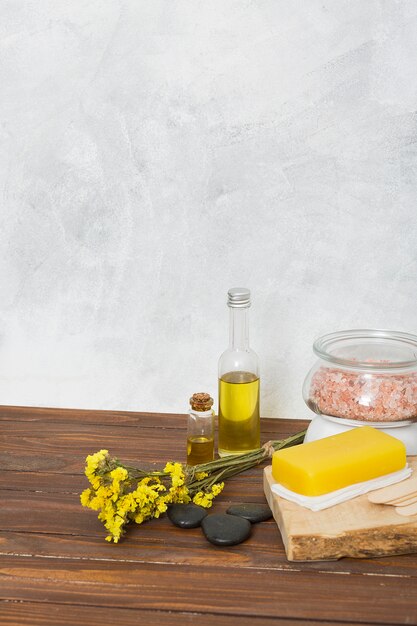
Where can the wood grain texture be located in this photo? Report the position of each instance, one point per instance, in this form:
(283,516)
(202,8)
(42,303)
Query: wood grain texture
(228,590)
(56,568)
(33,614)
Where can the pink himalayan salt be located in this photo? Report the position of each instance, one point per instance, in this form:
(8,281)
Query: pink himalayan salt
(369,397)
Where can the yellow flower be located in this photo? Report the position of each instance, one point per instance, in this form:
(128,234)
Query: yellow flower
(205,499)
(95,461)
(118,475)
(217,488)
(161,505)
(177,473)
(86,496)
(111,493)
(126,504)
(179,495)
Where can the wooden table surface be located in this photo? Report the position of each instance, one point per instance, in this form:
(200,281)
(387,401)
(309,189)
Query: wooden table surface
(56,567)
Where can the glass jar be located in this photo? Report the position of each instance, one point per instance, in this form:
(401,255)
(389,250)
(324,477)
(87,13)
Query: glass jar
(200,430)
(365,375)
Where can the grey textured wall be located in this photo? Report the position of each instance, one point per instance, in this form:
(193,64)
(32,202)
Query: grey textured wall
(154,153)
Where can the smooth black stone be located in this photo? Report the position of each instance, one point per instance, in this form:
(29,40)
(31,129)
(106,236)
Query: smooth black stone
(186,515)
(252,512)
(225,530)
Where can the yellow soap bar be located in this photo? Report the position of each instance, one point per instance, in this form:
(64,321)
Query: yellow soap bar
(318,467)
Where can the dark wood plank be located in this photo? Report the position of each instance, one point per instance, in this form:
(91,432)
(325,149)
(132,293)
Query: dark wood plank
(232,591)
(48,415)
(281,427)
(64,431)
(37,614)
(148,544)
(42,482)
(66,453)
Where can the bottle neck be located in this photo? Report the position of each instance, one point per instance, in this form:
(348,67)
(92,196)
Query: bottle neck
(239,328)
(195,413)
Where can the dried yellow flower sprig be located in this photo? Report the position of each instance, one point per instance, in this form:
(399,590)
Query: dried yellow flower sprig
(123,494)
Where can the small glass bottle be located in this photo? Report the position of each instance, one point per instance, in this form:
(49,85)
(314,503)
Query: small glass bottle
(239,418)
(200,432)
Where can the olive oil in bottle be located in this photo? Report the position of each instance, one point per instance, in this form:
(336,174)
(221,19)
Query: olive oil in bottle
(239,417)
(199,450)
(239,412)
(200,431)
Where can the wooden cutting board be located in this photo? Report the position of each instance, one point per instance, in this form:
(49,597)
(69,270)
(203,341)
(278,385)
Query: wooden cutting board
(356,528)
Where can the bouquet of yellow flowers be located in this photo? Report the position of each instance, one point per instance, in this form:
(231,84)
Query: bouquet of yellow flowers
(123,494)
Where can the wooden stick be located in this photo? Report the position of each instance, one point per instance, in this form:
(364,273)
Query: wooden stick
(412,497)
(399,490)
(411,509)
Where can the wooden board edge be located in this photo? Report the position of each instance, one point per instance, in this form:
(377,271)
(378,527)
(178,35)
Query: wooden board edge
(275,512)
(359,545)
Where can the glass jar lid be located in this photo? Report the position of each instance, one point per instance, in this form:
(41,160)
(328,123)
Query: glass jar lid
(368,349)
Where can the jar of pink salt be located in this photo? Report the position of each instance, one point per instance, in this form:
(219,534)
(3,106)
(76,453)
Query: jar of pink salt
(364,375)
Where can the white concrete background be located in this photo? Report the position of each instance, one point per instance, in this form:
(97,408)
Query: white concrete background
(154,153)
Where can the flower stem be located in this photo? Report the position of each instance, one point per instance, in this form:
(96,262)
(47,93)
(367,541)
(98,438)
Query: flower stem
(231,465)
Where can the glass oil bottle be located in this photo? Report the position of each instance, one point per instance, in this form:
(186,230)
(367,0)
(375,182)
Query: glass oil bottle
(200,431)
(239,417)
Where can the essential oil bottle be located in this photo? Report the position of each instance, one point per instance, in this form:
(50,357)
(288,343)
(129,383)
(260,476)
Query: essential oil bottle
(200,432)
(239,417)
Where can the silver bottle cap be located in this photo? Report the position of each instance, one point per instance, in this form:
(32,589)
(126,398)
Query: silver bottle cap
(238,297)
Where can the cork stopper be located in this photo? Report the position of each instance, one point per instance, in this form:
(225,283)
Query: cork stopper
(201,402)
